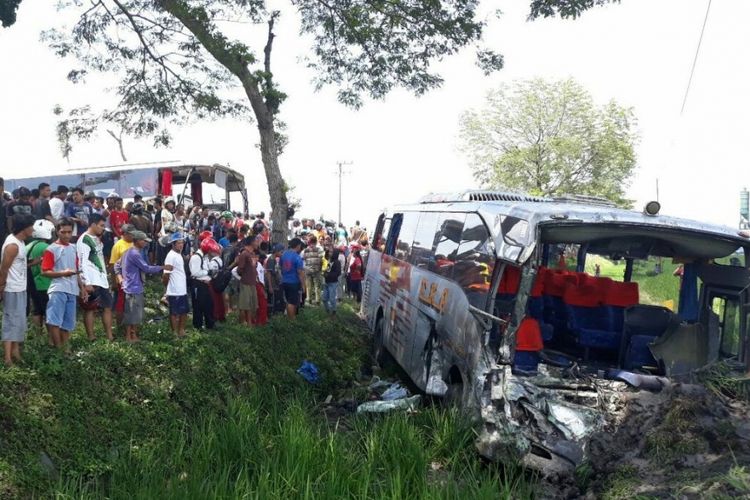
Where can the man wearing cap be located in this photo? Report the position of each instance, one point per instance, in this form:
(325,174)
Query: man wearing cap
(176,281)
(94,277)
(131,265)
(57,203)
(122,246)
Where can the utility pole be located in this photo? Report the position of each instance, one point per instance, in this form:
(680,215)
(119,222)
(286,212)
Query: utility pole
(341,173)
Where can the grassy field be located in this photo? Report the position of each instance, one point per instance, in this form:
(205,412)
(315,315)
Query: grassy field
(655,289)
(224,415)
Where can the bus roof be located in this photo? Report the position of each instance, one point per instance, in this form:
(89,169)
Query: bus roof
(179,169)
(564,219)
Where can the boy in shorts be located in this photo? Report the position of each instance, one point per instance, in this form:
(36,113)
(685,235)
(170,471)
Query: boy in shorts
(60,263)
(176,281)
(13,286)
(94,277)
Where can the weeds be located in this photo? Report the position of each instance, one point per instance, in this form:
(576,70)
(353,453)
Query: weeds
(722,379)
(271,449)
(224,415)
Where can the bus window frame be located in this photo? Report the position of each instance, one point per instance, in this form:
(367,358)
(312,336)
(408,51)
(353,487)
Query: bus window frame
(390,242)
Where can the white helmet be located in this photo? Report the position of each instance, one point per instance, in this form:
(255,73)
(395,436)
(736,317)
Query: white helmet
(168,199)
(43,229)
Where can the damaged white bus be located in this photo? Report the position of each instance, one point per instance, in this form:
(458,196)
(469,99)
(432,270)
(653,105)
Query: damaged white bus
(481,297)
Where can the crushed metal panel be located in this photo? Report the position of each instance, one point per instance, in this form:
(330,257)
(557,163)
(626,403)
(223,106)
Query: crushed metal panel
(682,349)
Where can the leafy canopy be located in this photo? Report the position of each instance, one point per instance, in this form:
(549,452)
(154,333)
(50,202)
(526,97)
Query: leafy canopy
(175,63)
(549,138)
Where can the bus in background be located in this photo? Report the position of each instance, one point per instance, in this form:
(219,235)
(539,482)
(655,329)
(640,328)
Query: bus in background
(210,186)
(482,298)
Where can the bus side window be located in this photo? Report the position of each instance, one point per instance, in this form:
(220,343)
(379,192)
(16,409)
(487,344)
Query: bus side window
(390,244)
(424,238)
(475,261)
(406,235)
(446,241)
(381,232)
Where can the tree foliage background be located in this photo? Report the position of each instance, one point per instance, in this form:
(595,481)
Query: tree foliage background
(173,62)
(549,139)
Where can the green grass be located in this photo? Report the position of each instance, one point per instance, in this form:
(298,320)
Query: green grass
(223,414)
(654,289)
(273,448)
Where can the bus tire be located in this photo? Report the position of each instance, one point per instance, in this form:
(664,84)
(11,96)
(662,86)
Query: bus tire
(456,394)
(379,352)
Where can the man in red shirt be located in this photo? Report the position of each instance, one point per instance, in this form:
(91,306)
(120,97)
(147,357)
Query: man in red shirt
(118,217)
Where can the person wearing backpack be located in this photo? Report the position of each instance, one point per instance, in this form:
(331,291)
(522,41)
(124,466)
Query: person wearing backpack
(200,280)
(38,286)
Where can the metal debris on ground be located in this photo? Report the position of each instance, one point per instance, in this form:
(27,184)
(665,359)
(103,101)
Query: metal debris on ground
(408,404)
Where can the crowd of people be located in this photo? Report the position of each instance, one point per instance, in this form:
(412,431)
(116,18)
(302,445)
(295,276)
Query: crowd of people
(66,250)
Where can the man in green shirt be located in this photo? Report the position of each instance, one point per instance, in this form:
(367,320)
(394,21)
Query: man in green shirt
(38,285)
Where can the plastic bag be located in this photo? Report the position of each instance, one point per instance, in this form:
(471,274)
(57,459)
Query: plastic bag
(309,372)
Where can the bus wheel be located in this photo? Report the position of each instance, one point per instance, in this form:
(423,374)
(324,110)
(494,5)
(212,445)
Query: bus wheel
(379,353)
(455,394)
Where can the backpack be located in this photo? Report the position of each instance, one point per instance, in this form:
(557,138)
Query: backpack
(188,274)
(228,255)
(221,279)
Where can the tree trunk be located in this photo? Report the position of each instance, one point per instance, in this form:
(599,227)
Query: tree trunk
(268,153)
(197,21)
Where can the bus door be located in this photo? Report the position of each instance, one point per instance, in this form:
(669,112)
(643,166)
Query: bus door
(433,257)
(396,286)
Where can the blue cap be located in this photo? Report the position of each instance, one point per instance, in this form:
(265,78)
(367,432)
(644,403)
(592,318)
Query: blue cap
(176,237)
(278,247)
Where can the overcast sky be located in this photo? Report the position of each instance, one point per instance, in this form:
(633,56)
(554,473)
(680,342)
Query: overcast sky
(638,52)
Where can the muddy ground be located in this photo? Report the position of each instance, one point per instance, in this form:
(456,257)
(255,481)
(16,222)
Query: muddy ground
(685,442)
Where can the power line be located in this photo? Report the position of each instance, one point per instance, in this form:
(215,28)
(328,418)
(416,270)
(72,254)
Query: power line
(695,59)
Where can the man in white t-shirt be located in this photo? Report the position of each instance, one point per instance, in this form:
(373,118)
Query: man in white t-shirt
(57,203)
(175,279)
(13,286)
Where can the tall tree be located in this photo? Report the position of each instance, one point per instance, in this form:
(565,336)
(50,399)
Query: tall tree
(549,138)
(175,64)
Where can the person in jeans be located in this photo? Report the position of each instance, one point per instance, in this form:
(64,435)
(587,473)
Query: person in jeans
(331,277)
(13,286)
(131,265)
(94,277)
(60,263)
(313,256)
(292,276)
(175,279)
